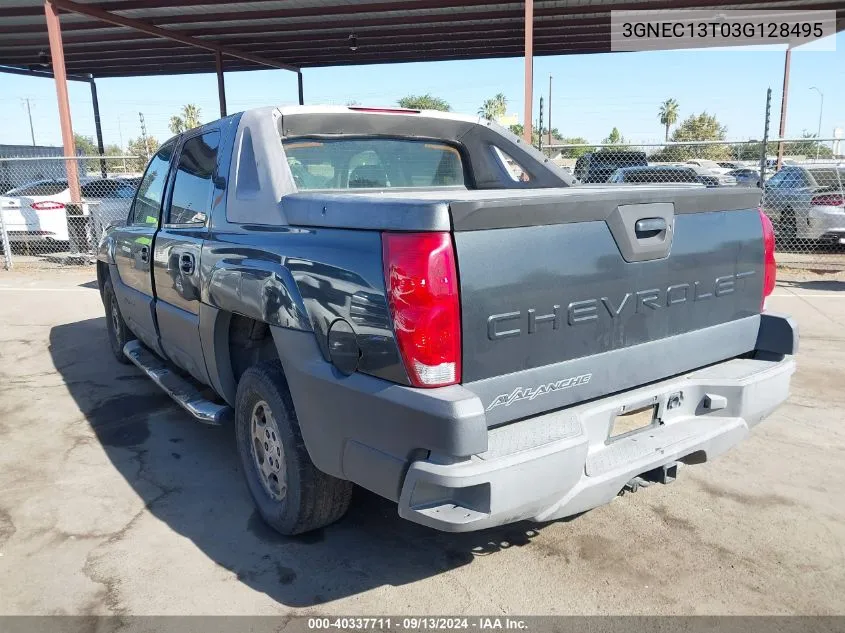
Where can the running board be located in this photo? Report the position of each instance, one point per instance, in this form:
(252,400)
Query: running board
(186,394)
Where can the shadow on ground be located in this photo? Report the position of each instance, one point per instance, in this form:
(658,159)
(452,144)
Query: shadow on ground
(814,284)
(189,477)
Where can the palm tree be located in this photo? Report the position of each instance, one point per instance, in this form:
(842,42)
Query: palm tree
(668,114)
(189,119)
(494,108)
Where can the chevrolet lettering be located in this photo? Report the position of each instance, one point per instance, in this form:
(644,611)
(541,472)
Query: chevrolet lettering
(509,324)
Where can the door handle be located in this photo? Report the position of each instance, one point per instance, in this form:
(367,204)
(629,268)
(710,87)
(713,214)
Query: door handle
(186,263)
(144,254)
(649,227)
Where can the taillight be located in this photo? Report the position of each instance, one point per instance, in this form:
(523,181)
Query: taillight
(48,205)
(828,200)
(769,265)
(422,292)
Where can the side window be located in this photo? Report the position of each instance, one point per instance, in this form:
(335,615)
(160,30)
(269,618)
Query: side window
(791,178)
(193,186)
(776,180)
(147,204)
(516,171)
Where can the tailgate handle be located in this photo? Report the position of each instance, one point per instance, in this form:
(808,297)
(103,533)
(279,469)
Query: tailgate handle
(649,227)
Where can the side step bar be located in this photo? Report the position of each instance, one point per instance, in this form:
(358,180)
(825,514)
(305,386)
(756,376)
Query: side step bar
(186,394)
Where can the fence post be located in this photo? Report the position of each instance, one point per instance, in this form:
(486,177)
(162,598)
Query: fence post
(763,155)
(7,248)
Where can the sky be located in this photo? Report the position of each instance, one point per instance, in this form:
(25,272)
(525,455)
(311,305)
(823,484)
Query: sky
(590,93)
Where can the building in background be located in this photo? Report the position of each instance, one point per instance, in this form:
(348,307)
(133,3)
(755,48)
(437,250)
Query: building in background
(14,173)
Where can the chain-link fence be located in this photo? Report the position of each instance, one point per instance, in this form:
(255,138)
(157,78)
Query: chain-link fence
(53,210)
(45,221)
(800,183)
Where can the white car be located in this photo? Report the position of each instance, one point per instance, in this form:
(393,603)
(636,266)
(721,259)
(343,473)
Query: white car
(37,211)
(710,178)
(710,165)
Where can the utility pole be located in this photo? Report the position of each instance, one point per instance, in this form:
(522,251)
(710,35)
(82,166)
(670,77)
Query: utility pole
(783,102)
(550,111)
(144,135)
(821,110)
(29,114)
(529,70)
(123,149)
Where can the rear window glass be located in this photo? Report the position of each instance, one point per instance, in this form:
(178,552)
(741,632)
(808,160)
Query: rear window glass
(828,177)
(373,163)
(41,189)
(603,160)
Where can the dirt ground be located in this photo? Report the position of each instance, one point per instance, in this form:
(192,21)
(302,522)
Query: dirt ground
(113,501)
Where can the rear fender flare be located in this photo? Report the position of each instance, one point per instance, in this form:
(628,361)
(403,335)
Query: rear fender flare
(261,290)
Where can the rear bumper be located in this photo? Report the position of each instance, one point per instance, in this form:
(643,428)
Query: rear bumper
(824,223)
(562,463)
(431,449)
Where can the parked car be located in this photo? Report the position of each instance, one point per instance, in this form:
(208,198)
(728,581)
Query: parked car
(37,212)
(595,167)
(294,271)
(806,203)
(746,177)
(654,174)
(728,165)
(709,178)
(711,166)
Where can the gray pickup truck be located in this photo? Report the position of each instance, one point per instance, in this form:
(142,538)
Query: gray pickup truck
(423,305)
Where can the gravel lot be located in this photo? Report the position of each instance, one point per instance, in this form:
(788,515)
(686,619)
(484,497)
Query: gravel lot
(113,501)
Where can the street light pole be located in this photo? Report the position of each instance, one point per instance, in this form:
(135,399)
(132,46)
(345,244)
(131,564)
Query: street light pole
(821,110)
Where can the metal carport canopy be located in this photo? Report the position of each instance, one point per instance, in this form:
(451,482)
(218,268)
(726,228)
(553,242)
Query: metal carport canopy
(310,33)
(123,38)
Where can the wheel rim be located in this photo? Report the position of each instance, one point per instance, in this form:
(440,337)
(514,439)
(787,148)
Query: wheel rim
(268,454)
(115,317)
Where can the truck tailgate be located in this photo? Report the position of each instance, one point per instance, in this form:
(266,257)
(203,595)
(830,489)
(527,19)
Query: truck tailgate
(588,291)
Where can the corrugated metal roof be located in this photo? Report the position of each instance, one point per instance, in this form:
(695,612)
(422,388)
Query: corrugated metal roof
(307,33)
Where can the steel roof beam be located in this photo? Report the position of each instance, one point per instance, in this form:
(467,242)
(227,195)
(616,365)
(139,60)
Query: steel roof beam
(105,16)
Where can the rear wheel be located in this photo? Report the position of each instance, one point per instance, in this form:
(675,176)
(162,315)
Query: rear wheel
(787,233)
(291,495)
(118,333)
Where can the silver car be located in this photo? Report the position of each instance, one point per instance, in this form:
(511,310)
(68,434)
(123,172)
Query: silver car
(807,203)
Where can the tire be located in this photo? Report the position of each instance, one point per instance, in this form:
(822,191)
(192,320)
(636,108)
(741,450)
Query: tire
(291,495)
(787,235)
(119,334)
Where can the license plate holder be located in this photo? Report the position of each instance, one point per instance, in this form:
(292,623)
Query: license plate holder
(628,422)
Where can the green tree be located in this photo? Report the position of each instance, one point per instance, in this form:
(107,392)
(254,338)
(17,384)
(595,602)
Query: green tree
(701,127)
(573,152)
(615,138)
(808,147)
(188,119)
(85,145)
(494,108)
(424,102)
(143,149)
(696,127)
(668,115)
(517,129)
